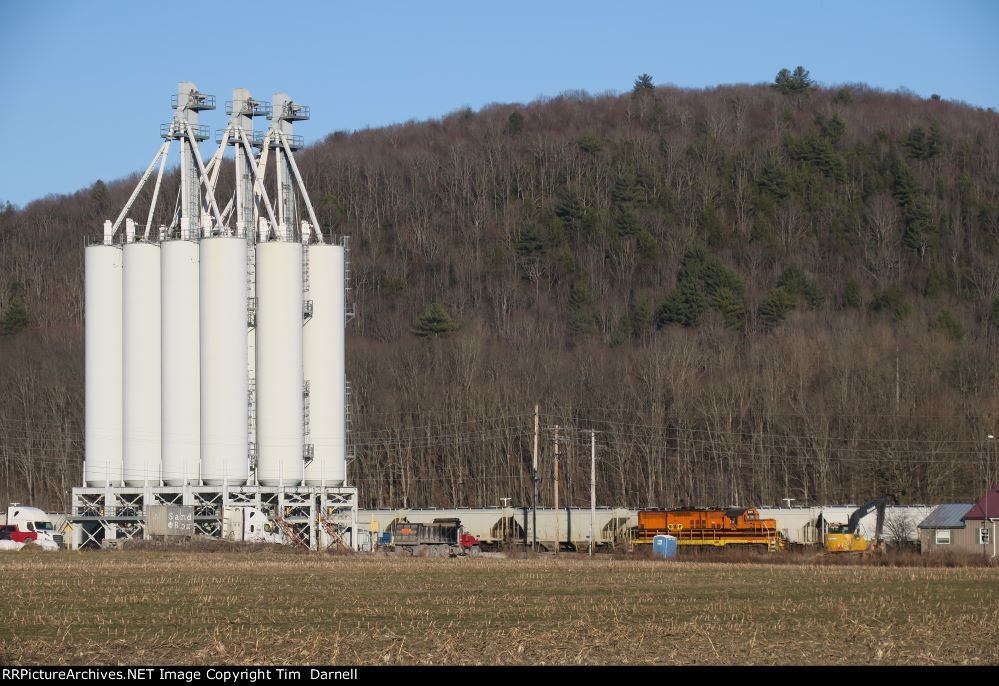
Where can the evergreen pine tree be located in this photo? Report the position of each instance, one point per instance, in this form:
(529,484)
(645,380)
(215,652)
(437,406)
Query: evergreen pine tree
(434,321)
(774,309)
(15,318)
(580,317)
(703,283)
(515,122)
(643,84)
(794,83)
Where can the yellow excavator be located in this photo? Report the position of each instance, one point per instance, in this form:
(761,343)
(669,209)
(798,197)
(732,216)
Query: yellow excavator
(844,538)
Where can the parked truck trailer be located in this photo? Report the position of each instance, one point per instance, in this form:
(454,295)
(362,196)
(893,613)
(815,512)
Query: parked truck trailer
(23,524)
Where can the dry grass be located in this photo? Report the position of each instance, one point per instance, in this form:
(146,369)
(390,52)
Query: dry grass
(275,607)
(813,555)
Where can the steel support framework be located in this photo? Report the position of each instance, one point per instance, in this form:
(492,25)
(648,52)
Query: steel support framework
(314,517)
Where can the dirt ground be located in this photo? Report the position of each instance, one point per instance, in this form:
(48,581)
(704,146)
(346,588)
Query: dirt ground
(272,606)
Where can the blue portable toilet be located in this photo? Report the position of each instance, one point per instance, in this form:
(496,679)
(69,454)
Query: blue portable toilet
(664,546)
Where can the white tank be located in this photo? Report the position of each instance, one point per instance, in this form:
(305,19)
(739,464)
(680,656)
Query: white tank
(279,364)
(181,371)
(141,367)
(324,357)
(102,310)
(224,385)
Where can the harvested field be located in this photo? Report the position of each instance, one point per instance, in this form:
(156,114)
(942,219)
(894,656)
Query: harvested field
(266,606)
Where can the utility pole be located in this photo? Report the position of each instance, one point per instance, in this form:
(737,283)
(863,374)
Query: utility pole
(593,488)
(534,476)
(558,537)
(988,491)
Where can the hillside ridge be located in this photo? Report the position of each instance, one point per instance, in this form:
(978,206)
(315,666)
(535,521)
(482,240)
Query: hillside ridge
(750,294)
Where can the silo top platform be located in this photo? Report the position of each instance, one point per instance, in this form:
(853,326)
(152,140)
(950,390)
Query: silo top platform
(173,131)
(195,101)
(292,111)
(274,141)
(250,108)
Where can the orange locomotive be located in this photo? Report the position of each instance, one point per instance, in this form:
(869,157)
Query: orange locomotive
(710,527)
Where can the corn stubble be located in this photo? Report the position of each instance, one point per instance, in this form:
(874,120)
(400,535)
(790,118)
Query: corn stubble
(272,607)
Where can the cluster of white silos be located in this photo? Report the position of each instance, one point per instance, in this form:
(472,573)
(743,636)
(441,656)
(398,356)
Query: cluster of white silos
(215,353)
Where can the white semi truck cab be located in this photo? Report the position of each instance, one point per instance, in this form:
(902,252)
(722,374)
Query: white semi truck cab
(27,518)
(249,525)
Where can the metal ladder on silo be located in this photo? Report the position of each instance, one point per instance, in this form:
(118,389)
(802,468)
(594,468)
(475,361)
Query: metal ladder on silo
(251,421)
(305,407)
(348,302)
(251,285)
(251,323)
(349,454)
(349,313)
(305,268)
(306,302)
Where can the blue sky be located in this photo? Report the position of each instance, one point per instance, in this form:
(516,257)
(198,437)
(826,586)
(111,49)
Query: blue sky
(86,84)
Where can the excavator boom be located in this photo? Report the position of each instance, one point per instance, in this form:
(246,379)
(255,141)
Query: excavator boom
(864,510)
(847,539)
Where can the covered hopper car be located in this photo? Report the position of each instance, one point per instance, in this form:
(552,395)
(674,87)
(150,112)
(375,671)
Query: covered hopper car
(710,528)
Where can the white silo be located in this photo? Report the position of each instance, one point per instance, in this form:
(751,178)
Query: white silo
(279,380)
(224,383)
(103,334)
(180,262)
(324,356)
(181,369)
(141,362)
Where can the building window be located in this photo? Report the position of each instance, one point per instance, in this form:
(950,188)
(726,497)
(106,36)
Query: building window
(983,535)
(943,536)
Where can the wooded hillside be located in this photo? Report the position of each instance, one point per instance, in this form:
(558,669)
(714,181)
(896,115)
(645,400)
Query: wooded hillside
(751,293)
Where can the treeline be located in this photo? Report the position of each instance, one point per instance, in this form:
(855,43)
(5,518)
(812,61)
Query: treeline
(750,293)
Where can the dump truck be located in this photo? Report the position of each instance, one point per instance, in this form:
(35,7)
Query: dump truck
(445,537)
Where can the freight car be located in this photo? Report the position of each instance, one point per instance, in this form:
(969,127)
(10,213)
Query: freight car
(442,538)
(710,527)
